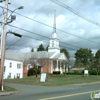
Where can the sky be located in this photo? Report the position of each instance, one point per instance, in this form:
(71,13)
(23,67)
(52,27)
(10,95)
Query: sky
(35,23)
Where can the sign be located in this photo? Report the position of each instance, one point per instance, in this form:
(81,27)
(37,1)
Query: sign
(43,77)
(85,72)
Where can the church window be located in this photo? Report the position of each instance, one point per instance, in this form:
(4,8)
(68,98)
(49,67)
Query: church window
(52,43)
(10,65)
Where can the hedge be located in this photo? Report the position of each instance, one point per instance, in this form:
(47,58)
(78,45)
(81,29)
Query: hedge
(56,72)
(74,73)
(94,72)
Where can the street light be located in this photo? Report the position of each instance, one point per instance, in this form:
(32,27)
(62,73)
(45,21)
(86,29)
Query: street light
(13,17)
(21,7)
(16,34)
(3,39)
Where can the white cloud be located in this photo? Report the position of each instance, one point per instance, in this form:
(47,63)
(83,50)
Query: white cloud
(43,11)
(27,49)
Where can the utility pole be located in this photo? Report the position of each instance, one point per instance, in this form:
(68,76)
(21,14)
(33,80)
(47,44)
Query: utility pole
(3,43)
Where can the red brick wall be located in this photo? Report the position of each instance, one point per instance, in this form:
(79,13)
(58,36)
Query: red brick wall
(46,65)
(25,70)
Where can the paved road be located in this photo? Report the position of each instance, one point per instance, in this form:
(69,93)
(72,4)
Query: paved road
(69,92)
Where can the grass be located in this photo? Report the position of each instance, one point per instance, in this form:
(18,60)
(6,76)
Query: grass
(6,88)
(56,80)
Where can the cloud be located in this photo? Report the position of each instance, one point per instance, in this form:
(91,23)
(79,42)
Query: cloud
(73,27)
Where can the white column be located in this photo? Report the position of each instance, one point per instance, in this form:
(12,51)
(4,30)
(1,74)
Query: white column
(67,69)
(57,66)
(60,67)
(52,66)
(63,70)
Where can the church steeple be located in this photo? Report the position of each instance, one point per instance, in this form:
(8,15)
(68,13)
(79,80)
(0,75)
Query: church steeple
(54,24)
(54,41)
(54,34)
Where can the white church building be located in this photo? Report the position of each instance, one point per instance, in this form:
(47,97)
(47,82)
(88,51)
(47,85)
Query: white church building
(17,64)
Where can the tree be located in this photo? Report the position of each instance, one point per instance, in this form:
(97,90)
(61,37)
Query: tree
(47,47)
(32,50)
(33,71)
(35,63)
(63,50)
(96,60)
(84,58)
(41,48)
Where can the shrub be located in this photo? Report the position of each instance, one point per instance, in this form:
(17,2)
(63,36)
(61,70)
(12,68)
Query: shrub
(92,72)
(74,73)
(77,73)
(99,72)
(32,72)
(56,72)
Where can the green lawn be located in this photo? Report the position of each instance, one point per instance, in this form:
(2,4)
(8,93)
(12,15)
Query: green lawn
(6,88)
(56,80)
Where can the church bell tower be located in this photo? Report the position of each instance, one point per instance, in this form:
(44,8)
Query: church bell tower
(54,41)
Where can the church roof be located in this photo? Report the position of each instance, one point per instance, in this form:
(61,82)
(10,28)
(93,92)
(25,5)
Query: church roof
(13,56)
(39,55)
(57,56)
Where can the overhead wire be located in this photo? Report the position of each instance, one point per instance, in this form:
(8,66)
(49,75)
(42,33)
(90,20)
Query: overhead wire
(39,34)
(57,28)
(35,39)
(43,41)
(75,12)
(13,44)
(52,27)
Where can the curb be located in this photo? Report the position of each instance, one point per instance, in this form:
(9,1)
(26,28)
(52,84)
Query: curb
(8,93)
(84,84)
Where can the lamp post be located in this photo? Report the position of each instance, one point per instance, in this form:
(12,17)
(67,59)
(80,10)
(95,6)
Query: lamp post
(21,7)
(3,40)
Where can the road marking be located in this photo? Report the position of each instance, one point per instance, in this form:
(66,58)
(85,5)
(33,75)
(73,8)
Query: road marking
(64,96)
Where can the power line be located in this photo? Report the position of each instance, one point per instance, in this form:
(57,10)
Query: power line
(13,44)
(38,40)
(40,35)
(44,41)
(75,12)
(35,39)
(27,31)
(58,29)
(52,27)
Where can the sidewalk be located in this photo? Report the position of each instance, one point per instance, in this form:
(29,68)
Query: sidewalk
(8,93)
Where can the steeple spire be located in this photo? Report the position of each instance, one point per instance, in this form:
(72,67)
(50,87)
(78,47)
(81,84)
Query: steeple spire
(54,41)
(54,25)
